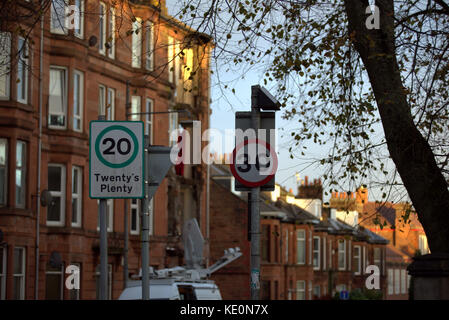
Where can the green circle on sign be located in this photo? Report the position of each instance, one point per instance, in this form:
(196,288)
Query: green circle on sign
(116,165)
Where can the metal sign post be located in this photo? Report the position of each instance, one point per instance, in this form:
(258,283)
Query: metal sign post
(250,176)
(145,230)
(255,216)
(115,172)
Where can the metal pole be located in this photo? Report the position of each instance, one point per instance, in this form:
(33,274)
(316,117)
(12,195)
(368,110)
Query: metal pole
(254,211)
(125,216)
(145,229)
(39,160)
(103,244)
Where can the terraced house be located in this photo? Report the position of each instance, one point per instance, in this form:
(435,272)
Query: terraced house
(307,252)
(59,73)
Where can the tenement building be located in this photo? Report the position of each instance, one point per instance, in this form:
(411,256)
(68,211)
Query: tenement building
(124,60)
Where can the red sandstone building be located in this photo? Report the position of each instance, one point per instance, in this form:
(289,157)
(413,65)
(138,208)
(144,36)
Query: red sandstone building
(397,223)
(83,74)
(305,255)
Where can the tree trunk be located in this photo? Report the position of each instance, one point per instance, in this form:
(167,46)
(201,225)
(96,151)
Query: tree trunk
(412,155)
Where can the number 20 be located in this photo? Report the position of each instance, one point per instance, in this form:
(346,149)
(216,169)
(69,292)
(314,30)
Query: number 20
(110,149)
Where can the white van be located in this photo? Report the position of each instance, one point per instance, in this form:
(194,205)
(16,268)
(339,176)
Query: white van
(173,289)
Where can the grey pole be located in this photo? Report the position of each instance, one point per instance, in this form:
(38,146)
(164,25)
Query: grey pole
(103,245)
(145,229)
(254,206)
(125,216)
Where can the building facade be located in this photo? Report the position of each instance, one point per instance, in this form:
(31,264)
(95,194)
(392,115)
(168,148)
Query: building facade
(52,85)
(305,255)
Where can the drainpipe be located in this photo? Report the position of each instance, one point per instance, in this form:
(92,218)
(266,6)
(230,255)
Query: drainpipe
(39,150)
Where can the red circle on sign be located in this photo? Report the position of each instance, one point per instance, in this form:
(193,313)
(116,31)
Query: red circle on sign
(251,183)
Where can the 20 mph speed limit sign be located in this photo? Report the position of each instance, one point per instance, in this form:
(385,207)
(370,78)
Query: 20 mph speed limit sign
(116,159)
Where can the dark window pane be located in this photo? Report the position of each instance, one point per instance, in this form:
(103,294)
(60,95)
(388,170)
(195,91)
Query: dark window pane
(54,210)
(53,287)
(18,261)
(74,210)
(54,178)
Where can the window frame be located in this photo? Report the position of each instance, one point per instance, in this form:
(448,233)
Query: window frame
(173,124)
(357,260)
(110,104)
(343,253)
(63,28)
(149,107)
(136,109)
(377,262)
(136,44)
(149,40)
(324,253)
(111,32)
(286,245)
(403,281)
(23,174)
(6,39)
(316,250)
(3,271)
(170,59)
(64,98)
(61,274)
(102,96)
(80,100)
(397,281)
(300,290)
(102,29)
(22,70)
(61,194)
(22,275)
(390,281)
(81,7)
(300,240)
(78,195)
(5,166)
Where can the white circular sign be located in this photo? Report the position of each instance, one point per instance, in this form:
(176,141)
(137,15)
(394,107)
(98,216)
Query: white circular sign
(254,163)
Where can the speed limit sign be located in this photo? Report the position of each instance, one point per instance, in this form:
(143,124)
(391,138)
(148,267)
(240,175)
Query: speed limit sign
(116,159)
(254,163)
